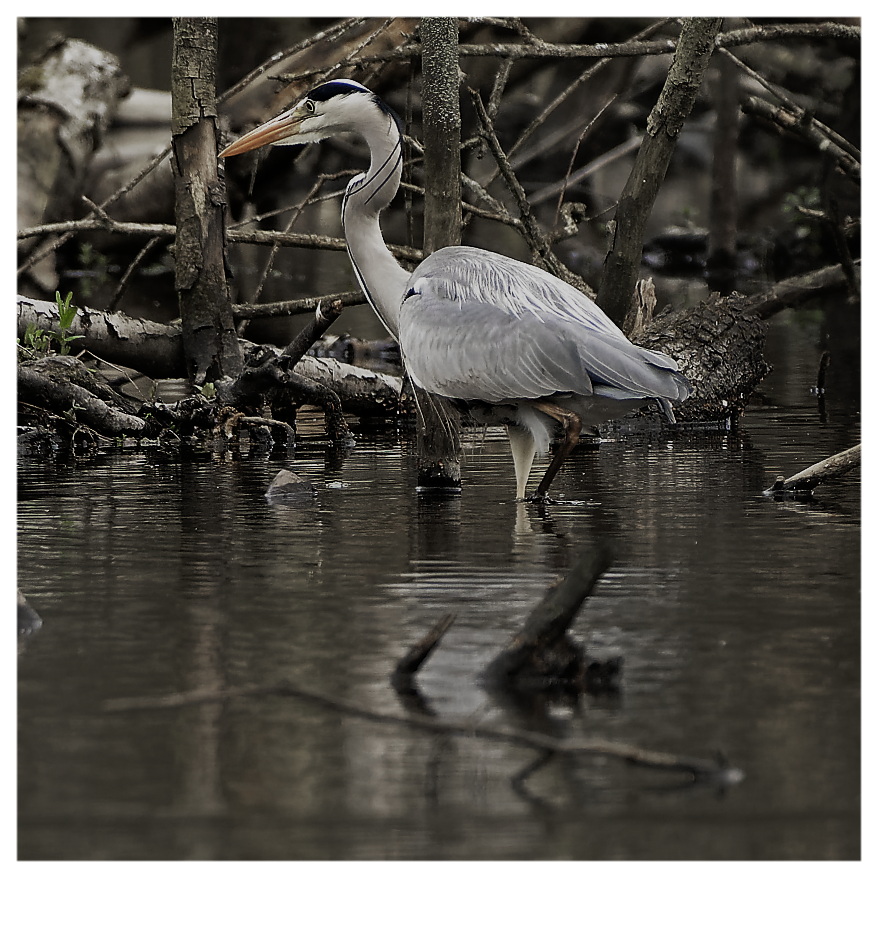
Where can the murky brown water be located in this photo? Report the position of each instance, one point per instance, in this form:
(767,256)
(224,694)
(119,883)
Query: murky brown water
(737,619)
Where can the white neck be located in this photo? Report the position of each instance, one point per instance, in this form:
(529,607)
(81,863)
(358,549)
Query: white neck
(380,276)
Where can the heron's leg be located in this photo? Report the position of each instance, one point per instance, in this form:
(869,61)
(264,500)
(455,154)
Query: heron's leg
(572,424)
(524,449)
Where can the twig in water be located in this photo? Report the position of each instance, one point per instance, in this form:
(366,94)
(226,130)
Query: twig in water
(696,767)
(408,666)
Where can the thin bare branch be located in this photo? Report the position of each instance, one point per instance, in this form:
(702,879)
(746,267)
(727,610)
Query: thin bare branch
(632,48)
(777,31)
(136,262)
(791,104)
(168,230)
(534,236)
(800,123)
(331,33)
(303,305)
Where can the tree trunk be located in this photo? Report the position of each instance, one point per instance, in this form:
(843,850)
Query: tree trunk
(438,421)
(665,122)
(209,338)
(441,113)
(723,193)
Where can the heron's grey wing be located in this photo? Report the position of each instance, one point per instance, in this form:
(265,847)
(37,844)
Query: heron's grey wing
(468,273)
(474,349)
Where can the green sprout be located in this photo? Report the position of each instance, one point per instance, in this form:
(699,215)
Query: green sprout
(66,316)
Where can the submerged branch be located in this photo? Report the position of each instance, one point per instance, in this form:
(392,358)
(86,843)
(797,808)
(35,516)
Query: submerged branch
(824,471)
(541,654)
(407,668)
(697,767)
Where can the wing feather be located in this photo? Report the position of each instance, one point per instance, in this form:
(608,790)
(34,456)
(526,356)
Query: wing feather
(477,325)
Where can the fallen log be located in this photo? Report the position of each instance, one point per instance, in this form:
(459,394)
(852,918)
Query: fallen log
(64,386)
(156,350)
(719,345)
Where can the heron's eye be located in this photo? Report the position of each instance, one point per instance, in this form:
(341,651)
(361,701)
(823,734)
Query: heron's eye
(310,106)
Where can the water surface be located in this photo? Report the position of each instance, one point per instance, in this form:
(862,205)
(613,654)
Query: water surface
(736,616)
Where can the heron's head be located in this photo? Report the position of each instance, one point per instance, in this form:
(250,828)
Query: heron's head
(335,107)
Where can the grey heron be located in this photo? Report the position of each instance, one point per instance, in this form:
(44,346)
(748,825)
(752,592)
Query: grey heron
(509,342)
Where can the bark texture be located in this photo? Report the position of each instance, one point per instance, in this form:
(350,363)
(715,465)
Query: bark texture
(209,337)
(719,345)
(675,102)
(64,386)
(438,421)
(441,133)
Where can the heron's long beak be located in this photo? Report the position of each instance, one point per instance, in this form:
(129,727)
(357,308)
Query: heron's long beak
(275,130)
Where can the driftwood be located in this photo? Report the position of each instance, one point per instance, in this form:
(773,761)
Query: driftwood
(64,384)
(827,470)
